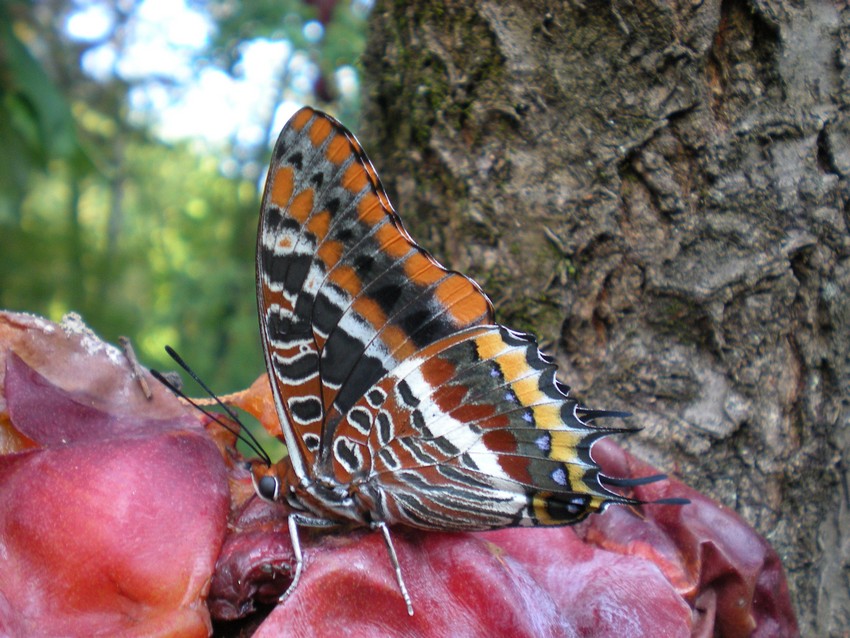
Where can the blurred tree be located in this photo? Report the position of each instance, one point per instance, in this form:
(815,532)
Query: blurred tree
(36,124)
(107,210)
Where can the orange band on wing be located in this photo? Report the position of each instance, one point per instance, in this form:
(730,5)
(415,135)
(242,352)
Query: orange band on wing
(369,209)
(355,178)
(282,187)
(422,270)
(301,118)
(391,241)
(338,150)
(319,131)
(302,205)
(319,224)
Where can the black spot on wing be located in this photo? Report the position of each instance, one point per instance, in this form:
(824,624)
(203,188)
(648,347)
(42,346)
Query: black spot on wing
(387,295)
(363,264)
(363,376)
(376,397)
(360,419)
(413,320)
(339,356)
(389,459)
(280,328)
(311,441)
(275,221)
(332,206)
(445,446)
(298,266)
(345,453)
(467,462)
(432,327)
(296,159)
(406,394)
(344,364)
(562,389)
(420,425)
(385,428)
(514,338)
(304,306)
(344,234)
(326,314)
(571,508)
(281,147)
(305,409)
(274,267)
(298,369)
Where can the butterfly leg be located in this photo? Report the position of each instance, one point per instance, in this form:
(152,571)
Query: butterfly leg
(294,521)
(394,559)
(299,560)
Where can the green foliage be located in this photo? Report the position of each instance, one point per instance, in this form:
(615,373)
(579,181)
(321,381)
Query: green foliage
(273,19)
(97,216)
(179,273)
(35,122)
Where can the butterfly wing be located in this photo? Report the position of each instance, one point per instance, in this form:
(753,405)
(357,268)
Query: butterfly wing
(344,293)
(473,433)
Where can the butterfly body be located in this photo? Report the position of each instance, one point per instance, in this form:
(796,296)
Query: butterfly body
(401,400)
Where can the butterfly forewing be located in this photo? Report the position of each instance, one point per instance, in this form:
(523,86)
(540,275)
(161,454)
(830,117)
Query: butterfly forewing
(345,295)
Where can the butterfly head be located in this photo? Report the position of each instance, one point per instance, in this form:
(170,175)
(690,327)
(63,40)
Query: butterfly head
(277,483)
(268,480)
(267,487)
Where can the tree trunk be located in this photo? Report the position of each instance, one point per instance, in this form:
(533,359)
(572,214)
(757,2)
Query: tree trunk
(660,191)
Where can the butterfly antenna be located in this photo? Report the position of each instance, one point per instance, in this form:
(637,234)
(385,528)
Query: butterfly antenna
(212,415)
(254,444)
(249,440)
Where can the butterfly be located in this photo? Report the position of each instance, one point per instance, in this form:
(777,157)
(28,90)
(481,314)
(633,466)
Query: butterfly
(401,400)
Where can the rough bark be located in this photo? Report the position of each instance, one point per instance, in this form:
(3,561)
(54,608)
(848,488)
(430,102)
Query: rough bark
(660,191)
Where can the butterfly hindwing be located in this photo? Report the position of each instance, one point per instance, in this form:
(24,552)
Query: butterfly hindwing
(472,433)
(345,294)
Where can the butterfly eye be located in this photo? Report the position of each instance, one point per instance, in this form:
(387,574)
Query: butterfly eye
(268,488)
